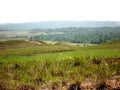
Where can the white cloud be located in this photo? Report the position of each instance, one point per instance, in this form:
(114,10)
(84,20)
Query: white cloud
(46,10)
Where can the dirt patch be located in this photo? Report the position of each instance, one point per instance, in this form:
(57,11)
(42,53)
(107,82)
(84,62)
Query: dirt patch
(113,60)
(33,42)
(110,84)
(88,84)
(3,86)
(114,82)
(25,87)
(102,86)
(74,86)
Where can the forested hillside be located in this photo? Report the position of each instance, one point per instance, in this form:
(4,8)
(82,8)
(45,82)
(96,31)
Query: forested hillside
(71,34)
(78,35)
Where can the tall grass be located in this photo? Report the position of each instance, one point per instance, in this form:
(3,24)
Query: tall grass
(46,72)
(49,65)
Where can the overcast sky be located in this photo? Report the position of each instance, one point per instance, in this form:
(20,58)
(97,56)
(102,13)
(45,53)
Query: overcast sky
(17,11)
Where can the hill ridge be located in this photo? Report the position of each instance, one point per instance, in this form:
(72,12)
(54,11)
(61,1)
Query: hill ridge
(58,24)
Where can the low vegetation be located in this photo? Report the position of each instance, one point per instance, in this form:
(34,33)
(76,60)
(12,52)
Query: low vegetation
(33,66)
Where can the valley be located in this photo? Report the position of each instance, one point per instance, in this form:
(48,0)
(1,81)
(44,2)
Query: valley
(60,56)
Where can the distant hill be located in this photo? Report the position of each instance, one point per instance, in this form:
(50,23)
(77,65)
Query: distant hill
(110,44)
(57,24)
(20,44)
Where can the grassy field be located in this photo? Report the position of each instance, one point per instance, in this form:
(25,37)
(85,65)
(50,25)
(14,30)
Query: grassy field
(27,65)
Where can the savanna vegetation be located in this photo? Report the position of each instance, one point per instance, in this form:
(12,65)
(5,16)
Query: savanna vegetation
(36,65)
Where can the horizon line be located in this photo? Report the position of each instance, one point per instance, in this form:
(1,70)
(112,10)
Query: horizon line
(59,21)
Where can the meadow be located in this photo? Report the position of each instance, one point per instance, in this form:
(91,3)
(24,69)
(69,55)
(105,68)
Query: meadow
(26,65)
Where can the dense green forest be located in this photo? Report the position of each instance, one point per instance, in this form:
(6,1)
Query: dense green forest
(78,35)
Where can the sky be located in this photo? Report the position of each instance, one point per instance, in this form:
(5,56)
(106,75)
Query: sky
(18,11)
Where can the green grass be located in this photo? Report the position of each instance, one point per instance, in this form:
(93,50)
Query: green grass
(30,50)
(59,55)
(38,66)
